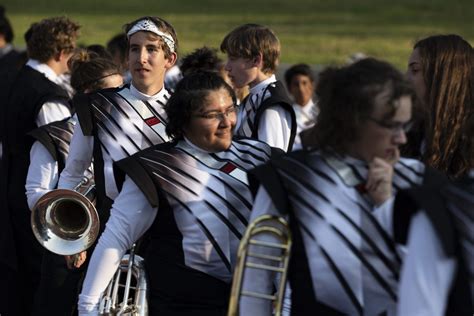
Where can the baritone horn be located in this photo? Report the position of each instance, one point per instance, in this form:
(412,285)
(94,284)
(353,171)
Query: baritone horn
(65,221)
(264,256)
(134,292)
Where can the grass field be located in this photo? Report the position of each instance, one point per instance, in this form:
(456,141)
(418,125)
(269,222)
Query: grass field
(317,32)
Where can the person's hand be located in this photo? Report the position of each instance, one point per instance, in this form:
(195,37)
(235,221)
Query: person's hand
(379,178)
(76,261)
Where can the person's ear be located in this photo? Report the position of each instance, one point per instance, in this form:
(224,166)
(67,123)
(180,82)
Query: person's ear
(257,61)
(171,60)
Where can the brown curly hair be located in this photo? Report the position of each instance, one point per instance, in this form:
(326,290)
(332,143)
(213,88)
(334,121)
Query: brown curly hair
(49,37)
(347,96)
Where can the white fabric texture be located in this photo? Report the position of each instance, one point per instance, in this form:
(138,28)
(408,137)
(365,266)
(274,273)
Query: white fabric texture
(427,273)
(42,174)
(130,217)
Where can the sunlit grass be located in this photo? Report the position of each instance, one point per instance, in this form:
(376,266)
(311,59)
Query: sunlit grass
(311,31)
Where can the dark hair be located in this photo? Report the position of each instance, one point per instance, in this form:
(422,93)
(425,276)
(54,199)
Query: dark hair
(163,26)
(447,63)
(5,26)
(117,46)
(298,69)
(189,97)
(88,70)
(249,40)
(99,50)
(346,97)
(50,36)
(201,59)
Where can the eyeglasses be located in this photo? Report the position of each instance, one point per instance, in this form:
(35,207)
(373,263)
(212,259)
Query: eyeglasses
(219,116)
(395,128)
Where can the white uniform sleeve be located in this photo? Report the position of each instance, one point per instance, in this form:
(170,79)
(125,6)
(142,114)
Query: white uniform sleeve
(275,127)
(78,160)
(131,216)
(52,112)
(42,174)
(260,281)
(427,273)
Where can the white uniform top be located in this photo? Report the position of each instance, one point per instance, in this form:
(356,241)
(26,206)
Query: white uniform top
(81,151)
(275,123)
(130,217)
(427,273)
(305,118)
(53,110)
(42,174)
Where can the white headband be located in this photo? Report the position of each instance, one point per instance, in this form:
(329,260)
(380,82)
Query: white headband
(149,26)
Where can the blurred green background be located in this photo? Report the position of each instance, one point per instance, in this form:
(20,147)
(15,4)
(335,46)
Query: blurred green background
(318,32)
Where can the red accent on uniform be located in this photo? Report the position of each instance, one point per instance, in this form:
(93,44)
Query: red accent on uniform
(228,168)
(361,188)
(152,121)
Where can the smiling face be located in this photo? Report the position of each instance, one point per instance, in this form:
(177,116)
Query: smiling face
(211,127)
(381,135)
(147,62)
(415,75)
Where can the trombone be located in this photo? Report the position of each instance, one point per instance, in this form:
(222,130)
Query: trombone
(265,225)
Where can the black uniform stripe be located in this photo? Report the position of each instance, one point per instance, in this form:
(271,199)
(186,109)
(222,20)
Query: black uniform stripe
(377,277)
(404,177)
(155,112)
(314,170)
(105,125)
(336,271)
(247,143)
(354,249)
(235,162)
(117,111)
(247,152)
(105,130)
(206,231)
(345,285)
(364,236)
(386,238)
(389,242)
(246,202)
(176,169)
(416,172)
(386,261)
(177,184)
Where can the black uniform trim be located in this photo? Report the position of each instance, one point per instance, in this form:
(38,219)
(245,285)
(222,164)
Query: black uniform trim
(278,97)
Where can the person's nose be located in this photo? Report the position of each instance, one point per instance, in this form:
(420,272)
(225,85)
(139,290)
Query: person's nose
(142,56)
(400,137)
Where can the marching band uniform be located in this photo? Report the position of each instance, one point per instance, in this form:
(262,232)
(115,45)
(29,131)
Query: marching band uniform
(48,157)
(196,206)
(58,288)
(437,223)
(35,100)
(344,260)
(113,124)
(305,118)
(266,114)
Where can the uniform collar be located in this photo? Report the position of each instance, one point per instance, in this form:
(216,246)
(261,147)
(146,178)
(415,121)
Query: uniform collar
(145,97)
(44,69)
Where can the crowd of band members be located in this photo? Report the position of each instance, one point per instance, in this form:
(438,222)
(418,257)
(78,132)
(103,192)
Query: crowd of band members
(373,170)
